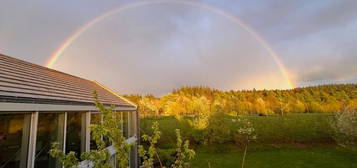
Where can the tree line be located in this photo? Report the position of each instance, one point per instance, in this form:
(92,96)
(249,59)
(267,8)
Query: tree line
(201,101)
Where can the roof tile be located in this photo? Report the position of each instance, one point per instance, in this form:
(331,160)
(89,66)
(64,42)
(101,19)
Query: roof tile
(26,80)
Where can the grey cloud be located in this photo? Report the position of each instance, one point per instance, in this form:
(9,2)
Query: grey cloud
(326,56)
(285,20)
(156,48)
(196,47)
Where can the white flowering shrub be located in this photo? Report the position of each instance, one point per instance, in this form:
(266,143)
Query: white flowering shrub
(344,127)
(245,134)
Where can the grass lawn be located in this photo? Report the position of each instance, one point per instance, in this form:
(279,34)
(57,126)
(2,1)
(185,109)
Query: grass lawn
(288,156)
(307,138)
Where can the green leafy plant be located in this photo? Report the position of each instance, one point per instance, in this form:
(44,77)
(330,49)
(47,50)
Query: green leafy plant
(68,160)
(183,154)
(148,156)
(110,128)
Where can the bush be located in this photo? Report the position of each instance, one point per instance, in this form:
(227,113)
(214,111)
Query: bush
(344,126)
(167,157)
(218,130)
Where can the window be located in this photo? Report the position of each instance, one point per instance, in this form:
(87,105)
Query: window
(132,132)
(125,118)
(132,123)
(50,129)
(74,133)
(14,137)
(95,118)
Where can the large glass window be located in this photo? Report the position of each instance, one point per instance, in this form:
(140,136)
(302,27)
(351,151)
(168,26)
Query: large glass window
(125,127)
(50,129)
(74,133)
(132,123)
(14,136)
(132,132)
(95,118)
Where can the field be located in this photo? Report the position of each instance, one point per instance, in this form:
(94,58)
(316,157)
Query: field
(294,140)
(292,128)
(285,156)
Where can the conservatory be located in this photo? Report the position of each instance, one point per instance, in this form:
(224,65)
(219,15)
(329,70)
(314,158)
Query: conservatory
(39,106)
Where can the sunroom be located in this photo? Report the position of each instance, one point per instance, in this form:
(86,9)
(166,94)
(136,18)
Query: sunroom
(39,106)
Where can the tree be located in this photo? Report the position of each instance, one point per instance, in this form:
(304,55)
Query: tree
(260,107)
(184,101)
(200,107)
(148,106)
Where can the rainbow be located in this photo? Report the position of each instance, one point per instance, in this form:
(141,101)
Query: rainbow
(54,57)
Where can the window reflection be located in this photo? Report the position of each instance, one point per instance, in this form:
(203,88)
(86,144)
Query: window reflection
(14,130)
(50,129)
(132,123)
(132,132)
(95,118)
(125,123)
(74,132)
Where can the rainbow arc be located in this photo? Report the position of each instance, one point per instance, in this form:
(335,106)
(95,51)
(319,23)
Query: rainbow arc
(54,57)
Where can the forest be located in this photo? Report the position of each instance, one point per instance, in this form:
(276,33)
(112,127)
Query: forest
(195,101)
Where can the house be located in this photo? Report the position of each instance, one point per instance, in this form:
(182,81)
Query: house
(39,106)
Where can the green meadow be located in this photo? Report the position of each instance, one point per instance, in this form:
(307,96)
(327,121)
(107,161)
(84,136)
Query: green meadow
(291,141)
(275,156)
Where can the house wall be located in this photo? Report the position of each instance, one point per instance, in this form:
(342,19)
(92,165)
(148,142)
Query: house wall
(26,137)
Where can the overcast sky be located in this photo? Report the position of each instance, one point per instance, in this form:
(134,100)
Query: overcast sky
(157,47)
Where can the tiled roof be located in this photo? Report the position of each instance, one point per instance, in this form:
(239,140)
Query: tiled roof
(21,81)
